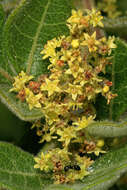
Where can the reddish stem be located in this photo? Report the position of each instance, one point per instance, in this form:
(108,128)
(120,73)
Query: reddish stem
(88,4)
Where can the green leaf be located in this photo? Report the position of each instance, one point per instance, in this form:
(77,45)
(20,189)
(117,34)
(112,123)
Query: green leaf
(118,75)
(20,109)
(122,6)
(116,26)
(26,31)
(17,172)
(107,128)
(2,20)
(11,128)
(2,17)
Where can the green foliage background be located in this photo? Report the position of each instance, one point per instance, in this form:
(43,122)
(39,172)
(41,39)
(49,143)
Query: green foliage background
(22,36)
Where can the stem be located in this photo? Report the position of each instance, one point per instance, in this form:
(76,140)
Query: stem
(6,75)
(88,4)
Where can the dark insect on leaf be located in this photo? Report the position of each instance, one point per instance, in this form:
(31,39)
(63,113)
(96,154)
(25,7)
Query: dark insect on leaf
(76,167)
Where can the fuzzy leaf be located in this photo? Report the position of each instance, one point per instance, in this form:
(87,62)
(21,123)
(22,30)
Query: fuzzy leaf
(17,172)
(108,129)
(116,26)
(2,20)
(26,31)
(2,17)
(122,6)
(118,75)
(12,129)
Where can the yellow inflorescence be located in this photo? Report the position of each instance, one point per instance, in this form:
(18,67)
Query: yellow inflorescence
(66,95)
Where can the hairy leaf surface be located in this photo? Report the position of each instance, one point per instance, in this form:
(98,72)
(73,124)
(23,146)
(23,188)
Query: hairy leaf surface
(117,26)
(122,6)
(108,129)
(17,172)
(26,31)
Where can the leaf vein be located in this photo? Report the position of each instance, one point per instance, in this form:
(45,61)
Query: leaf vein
(22,33)
(34,20)
(30,58)
(54,24)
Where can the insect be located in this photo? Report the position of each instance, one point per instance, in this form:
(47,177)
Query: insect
(92,156)
(66,168)
(75,167)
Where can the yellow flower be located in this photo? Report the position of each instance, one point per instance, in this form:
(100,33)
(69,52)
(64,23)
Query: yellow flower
(20,81)
(32,100)
(76,16)
(97,151)
(63,154)
(100,143)
(75,43)
(83,123)
(95,18)
(105,89)
(47,137)
(111,44)
(76,22)
(43,162)
(55,74)
(74,70)
(66,135)
(50,48)
(67,55)
(37,124)
(74,90)
(74,105)
(91,42)
(51,112)
(40,162)
(50,86)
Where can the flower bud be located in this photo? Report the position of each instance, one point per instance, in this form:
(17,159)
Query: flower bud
(75,43)
(106,89)
(100,143)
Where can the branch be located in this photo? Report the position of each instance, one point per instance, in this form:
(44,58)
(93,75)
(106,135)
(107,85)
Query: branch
(88,4)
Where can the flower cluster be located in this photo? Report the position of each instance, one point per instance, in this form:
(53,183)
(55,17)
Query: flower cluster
(109,7)
(66,95)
